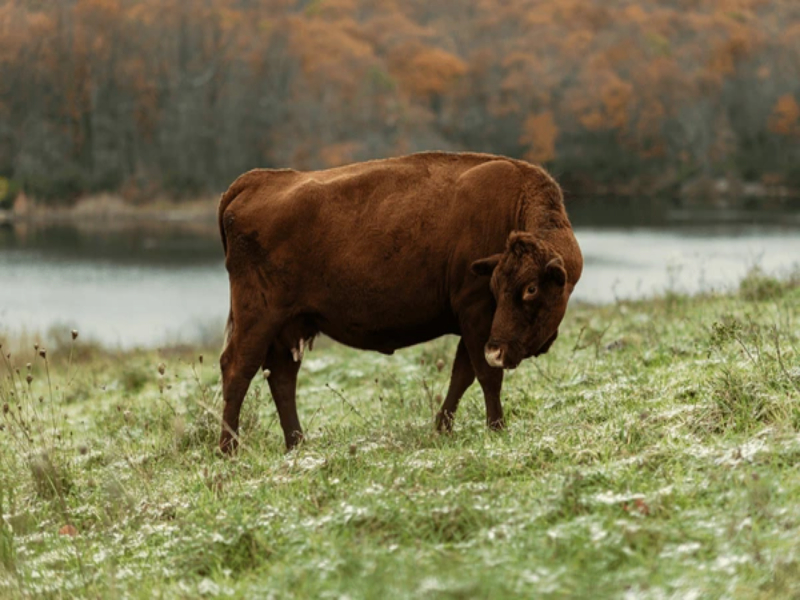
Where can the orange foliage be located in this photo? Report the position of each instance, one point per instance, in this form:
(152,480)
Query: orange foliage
(335,155)
(785,117)
(423,72)
(332,51)
(539,134)
(323,82)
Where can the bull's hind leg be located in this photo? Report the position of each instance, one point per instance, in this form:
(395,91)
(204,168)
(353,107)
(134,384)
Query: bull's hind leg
(251,333)
(283,385)
(461,378)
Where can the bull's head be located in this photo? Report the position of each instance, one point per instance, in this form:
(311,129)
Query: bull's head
(529,283)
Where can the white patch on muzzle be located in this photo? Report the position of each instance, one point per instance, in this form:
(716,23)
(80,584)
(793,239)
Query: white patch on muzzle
(494,358)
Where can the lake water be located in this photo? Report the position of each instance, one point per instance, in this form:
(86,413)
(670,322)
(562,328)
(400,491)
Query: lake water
(151,285)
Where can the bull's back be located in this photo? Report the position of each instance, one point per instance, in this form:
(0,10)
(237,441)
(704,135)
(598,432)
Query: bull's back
(378,210)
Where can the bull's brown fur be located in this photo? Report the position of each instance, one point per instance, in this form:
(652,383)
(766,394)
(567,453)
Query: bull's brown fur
(385,254)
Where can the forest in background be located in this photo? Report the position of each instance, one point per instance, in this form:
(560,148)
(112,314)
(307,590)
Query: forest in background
(177,97)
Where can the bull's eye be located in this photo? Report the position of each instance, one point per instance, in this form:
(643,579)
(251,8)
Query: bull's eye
(530,292)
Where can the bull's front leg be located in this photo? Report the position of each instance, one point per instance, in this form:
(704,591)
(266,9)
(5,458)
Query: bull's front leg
(461,378)
(491,380)
(475,332)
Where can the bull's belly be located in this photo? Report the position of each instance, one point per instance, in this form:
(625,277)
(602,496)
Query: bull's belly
(387,339)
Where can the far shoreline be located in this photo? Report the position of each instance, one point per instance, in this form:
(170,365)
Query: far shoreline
(112,207)
(710,204)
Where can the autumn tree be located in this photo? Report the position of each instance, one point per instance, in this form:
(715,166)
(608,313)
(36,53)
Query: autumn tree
(178,97)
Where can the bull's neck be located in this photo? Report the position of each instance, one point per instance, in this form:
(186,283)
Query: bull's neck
(552,225)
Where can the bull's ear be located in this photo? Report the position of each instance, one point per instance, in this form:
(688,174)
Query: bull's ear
(485,266)
(556,272)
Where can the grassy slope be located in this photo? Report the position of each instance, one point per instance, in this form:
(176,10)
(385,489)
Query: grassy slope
(653,451)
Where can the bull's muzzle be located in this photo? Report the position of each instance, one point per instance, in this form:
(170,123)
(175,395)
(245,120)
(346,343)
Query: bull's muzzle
(494,355)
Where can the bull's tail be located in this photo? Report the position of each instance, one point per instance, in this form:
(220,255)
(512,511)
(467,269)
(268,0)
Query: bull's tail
(224,201)
(252,178)
(234,190)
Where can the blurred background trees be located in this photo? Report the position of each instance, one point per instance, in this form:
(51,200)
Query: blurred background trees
(177,97)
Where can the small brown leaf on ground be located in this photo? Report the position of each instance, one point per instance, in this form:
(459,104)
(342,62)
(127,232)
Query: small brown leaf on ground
(69,530)
(641,506)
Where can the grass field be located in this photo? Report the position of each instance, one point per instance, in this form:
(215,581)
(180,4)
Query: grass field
(654,452)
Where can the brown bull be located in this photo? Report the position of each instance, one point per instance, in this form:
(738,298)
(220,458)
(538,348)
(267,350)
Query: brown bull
(390,253)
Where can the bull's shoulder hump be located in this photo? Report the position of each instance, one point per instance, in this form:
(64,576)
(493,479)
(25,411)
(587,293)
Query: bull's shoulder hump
(496,180)
(499,166)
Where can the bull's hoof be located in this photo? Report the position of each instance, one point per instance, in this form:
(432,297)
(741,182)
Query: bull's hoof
(444,421)
(497,424)
(293,440)
(228,444)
